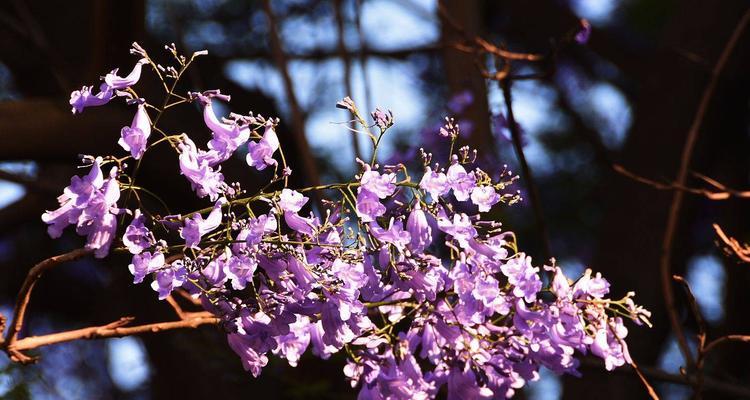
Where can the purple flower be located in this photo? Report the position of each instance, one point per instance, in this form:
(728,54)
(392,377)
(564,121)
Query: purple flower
(256,228)
(292,345)
(90,203)
(195,227)
(395,234)
(461,182)
(419,229)
(523,276)
(133,138)
(596,287)
(116,82)
(460,228)
(485,197)
(251,360)
(197,169)
(609,347)
(300,224)
(260,154)
(144,264)
(434,183)
(137,237)
(368,206)
(227,135)
(240,270)
(583,35)
(84,97)
(291,200)
(377,184)
(169,278)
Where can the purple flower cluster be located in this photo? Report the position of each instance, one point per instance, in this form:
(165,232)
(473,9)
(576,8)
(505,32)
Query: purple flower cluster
(404,275)
(89,203)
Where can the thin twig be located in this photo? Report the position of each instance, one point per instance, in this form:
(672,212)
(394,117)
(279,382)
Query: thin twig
(678,196)
(525,169)
(298,118)
(726,339)
(724,194)
(698,384)
(742,251)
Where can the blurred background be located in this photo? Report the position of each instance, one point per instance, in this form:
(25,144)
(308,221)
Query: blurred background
(627,96)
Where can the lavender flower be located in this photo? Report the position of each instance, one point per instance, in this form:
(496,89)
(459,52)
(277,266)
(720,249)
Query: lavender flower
(144,264)
(137,237)
(195,227)
(90,203)
(133,138)
(260,154)
(485,197)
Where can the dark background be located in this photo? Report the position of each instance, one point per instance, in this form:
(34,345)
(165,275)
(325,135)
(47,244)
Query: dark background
(626,97)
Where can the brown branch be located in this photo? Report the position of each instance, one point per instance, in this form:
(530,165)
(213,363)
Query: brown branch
(477,44)
(525,169)
(724,194)
(742,251)
(112,330)
(298,117)
(24,295)
(663,376)
(339,13)
(698,384)
(726,339)
(678,196)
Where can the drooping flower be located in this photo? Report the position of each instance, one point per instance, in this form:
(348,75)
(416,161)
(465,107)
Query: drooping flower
(197,169)
(134,138)
(116,82)
(144,264)
(84,97)
(419,229)
(291,200)
(368,206)
(168,278)
(260,154)
(137,237)
(195,226)
(90,203)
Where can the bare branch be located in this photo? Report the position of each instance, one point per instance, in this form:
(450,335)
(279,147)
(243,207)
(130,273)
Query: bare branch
(525,169)
(112,330)
(677,198)
(24,295)
(741,250)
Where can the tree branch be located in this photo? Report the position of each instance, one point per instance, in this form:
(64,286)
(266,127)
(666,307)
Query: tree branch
(112,330)
(733,246)
(677,198)
(24,295)
(298,118)
(525,169)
